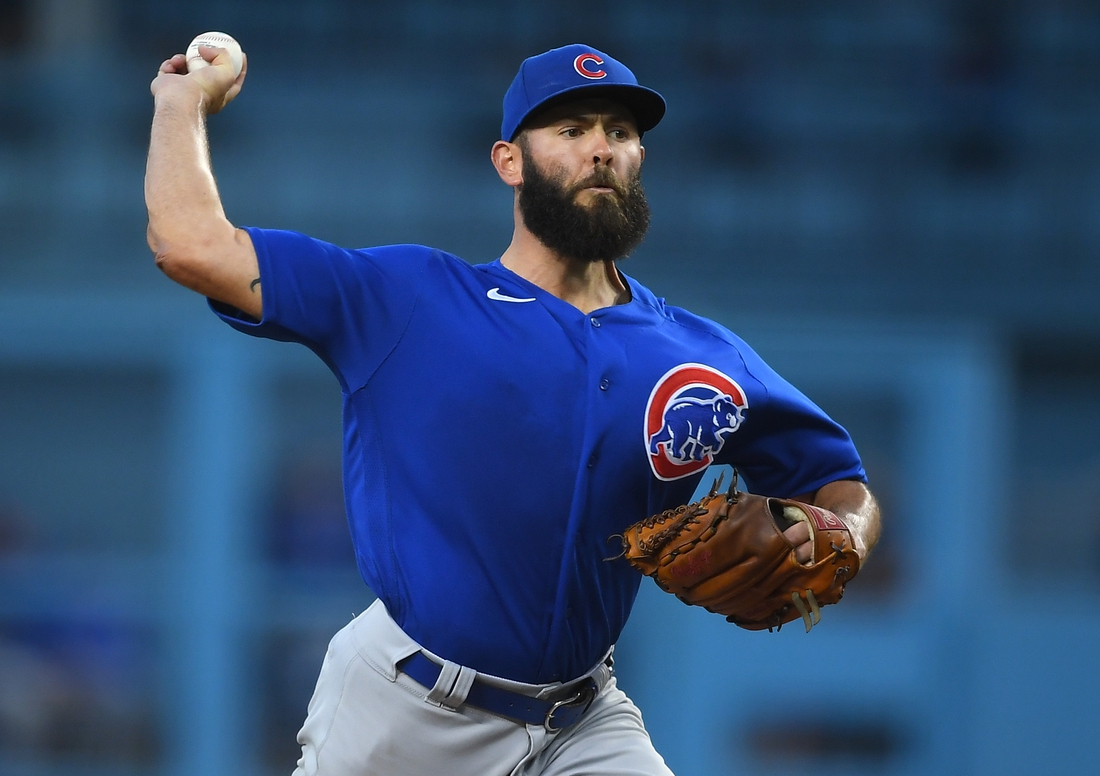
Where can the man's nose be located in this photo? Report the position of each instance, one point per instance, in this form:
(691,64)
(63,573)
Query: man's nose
(601,149)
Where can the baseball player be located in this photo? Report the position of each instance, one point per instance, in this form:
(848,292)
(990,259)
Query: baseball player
(502,422)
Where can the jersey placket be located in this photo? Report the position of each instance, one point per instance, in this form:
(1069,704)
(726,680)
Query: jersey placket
(604,358)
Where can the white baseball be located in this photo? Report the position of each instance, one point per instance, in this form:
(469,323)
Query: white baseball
(216,40)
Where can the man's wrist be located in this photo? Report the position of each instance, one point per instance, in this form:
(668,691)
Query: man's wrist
(183,96)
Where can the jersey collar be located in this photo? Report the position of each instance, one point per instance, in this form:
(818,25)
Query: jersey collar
(642,301)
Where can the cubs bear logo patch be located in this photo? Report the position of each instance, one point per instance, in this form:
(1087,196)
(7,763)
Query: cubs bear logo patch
(691,411)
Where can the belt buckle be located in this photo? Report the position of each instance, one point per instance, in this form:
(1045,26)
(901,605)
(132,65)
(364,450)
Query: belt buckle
(586,694)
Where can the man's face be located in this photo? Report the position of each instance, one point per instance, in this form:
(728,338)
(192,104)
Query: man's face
(581,194)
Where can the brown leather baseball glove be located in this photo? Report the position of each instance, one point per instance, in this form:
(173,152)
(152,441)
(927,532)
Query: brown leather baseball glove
(727,553)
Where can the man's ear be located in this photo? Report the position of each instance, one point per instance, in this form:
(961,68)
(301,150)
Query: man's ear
(508,161)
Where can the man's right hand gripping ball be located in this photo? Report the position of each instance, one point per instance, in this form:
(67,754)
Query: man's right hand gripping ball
(727,553)
(215,86)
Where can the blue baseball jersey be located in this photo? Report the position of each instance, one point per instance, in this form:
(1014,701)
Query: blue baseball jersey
(496,438)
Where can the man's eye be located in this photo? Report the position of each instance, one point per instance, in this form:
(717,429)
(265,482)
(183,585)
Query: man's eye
(572,132)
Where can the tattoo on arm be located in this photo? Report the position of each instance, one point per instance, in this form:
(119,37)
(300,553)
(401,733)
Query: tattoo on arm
(253,284)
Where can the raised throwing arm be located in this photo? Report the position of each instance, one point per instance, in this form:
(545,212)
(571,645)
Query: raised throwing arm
(193,241)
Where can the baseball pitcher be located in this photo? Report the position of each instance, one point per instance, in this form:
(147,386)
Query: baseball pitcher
(521,437)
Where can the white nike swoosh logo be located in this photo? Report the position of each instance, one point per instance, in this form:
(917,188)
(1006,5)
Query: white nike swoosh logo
(495,295)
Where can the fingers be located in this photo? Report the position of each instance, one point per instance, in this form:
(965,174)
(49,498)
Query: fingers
(799,537)
(177,64)
(220,57)
(221,62)
(213,53)
(214,77)
(234,88)
(170,69)
(797,534)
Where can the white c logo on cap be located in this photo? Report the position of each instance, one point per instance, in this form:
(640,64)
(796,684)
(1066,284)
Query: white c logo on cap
(580,65)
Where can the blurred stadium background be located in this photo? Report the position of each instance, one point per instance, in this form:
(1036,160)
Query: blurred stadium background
(896,202)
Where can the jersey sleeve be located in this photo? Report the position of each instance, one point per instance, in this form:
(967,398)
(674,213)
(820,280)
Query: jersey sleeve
(348,306)
(788,445)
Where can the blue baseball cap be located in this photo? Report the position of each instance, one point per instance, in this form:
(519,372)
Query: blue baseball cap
(564,73)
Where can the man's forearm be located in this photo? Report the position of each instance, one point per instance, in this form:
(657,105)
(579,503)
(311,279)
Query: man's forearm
(180,192)
(194,243)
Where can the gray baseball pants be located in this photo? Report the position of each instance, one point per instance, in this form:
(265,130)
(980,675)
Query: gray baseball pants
(367,718)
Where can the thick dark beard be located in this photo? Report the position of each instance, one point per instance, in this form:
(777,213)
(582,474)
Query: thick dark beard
(609,229)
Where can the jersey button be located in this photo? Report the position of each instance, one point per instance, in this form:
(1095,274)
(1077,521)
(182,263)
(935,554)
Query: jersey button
(595,322)
(604,384)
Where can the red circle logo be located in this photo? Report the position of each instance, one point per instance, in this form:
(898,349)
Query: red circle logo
(581,63)
(690,413)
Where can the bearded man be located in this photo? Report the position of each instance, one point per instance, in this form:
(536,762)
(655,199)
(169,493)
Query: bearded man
(501,422)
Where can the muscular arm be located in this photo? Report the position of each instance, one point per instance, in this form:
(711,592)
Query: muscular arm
(193,241)
(852,502)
